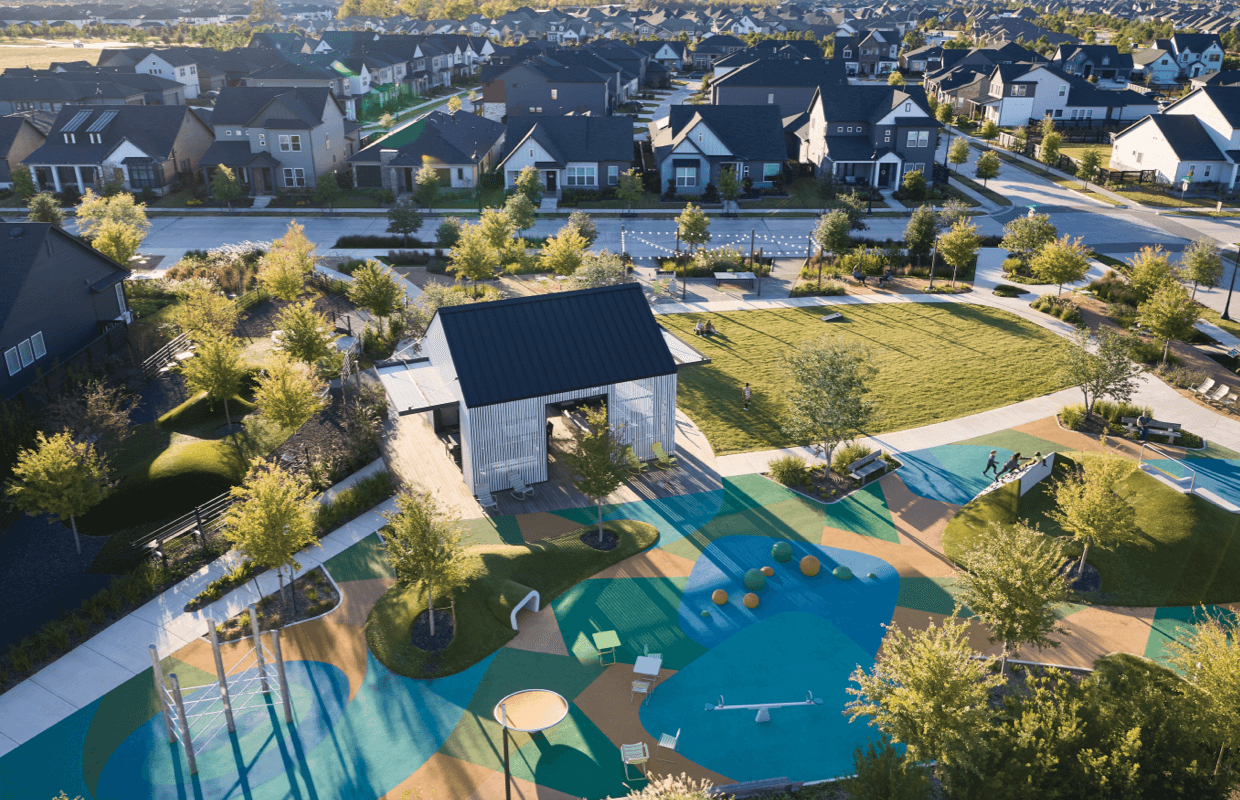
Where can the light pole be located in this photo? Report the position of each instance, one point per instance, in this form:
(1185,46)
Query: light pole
(1235,262)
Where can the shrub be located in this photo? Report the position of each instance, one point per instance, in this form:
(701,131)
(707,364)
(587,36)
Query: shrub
(710,194)
(883,773)
(449,232)
(1112,288)
(78,624)
(1114,413)
(789,470)
(1061,307)
(1071,416)
(358,498)
(1181,377)
(1012,265)
(223,585)
(350,266)
(824,289)
(408,257)
(373,241)
(1004,290)
(20,658)
(1147,352)
(111,599)
(57,635)
(1123,314)
(848,454)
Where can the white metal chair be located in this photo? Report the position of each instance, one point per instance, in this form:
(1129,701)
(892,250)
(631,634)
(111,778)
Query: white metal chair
(486,500)
(642,688)
(1221,391)
(667,742)
(637,755)
(1205,387)
(519,489)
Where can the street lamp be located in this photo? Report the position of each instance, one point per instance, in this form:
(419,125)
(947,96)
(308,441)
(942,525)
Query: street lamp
(1235,262)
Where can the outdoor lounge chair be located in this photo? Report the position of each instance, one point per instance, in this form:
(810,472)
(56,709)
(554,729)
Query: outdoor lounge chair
(1205,387)
(519,489)
(664,460)
(667,742)
(1220,391)
(635,465)
(485,499)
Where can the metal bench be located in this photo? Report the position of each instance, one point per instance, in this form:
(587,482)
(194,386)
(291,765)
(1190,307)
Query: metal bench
(1171,430)
(756,788)
(863,468)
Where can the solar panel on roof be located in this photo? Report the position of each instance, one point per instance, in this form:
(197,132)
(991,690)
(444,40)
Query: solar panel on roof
(76,122)
(102,122)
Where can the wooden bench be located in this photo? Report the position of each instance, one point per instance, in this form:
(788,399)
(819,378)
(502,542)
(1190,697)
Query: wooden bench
(1171,430)
(756,788)
(863,468)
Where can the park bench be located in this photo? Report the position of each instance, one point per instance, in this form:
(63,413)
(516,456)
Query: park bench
(1171,430)
(735,277)
(761,788)
(863,468)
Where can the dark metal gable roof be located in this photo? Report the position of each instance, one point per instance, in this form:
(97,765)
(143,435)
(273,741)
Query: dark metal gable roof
(547,344)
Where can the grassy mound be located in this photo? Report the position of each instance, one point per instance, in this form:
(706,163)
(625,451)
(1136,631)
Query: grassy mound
(199,411)
(551,567)
(1185,551)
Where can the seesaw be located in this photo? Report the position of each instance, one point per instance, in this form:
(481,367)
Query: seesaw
(764,709)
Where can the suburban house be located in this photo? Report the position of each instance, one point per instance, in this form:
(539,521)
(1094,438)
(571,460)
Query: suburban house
(177,64)
(142,146)
(542,89)
(18,139)
(671,54)
(278,139)
(872,53)
(1196,54)
(1103,62)
(459,145)
(580,153)
(19,94)
(693,144)
(62,300)
(1197,137)
(713,48)
(1019,93)
(930,58)
(1155,66)
(780,82)
(871,135)
(495,373)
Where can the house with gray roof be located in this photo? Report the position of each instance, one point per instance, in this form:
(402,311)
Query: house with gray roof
(19,137)
(786,83)
(582,153)
(694,144)
(1196,137)
(533,88)
(458,145)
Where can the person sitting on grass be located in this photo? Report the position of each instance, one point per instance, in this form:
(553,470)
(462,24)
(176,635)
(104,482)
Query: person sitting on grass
(699,329)
(710,328)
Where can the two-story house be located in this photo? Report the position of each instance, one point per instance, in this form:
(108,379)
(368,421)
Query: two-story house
(19,137)
(278,138)
(458,145)
(1155,66)
(1019,93)
(1196,54)
(532,88)
(869,54)
(1102,62)
(583,153)
(693,144)
(142,146)
(1197,136)
(870,135)
(781,82)
(177,64)
(671,54)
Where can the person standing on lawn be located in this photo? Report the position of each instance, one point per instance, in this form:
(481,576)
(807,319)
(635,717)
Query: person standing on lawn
(992,464)
(746,396)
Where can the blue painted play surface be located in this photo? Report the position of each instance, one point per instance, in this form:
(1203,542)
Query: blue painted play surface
(1219,475)
(950,473)
(858,607)
(779,659)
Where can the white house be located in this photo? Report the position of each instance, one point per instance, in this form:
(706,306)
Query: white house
(1019,93)
(1198,136)
(172,64)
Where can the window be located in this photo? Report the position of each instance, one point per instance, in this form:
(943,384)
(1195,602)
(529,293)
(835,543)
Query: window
(908,107)
(918,167)
(193,70)
(1205,173)
(839,128)
(70,138)
(228,131)
(686,176)
(1139,157)
(555,94)
(294,176)
(847,54)
(182,72)
(580,176)
(769,171)
(613,175)
(262,140)
(11,361)
(1063,90)
(460,173)
(145,176)
(770,98)
(887,136)
(26,352)
(1059,112)
(96,138)
(327,141)
(1213,58)
(912,139)
(290,143)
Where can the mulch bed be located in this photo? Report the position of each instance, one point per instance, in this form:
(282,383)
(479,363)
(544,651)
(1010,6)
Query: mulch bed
(445,628)
(325,441)
(830,487)
(590,538)
(315,596)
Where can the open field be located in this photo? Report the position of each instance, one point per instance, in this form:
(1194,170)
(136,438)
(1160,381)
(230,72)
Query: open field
(42,57)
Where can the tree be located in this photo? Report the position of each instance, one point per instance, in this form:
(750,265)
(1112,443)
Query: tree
(694,226)
(1169,315)
(944,113)
(920,232)
(375,289)
(203,312)
(959,246)
(529,183)
(474,257)
(448,232)
(583,223)
(44,207)
(1208,655)
(913,40)
(1091,159)
(928,691)
(562,253)
(279,275)
(328,190)
(404,218)
(989,131)
(958,153)
(427,191)
(454,103)
(831,234)
(94,211)
(226,187)
(988,165)
(1100,367)
(1026,235)
(424,548)
(827,401)
(271,520)
(894,78)
(1012,583)
(854,205)
(595,460)
(216,370)
(23,184)
(1061,261)
(118,241)
(496,227)
(600,268)
(1047,125)
(1088,507)
(630,188)
(264,11)
(58,476)
(387,121)
(914,185)
(729,185)
(1148,270)
(305,334)
(952,211)
(287,393)
(96,409)
(520,212)
(1202,264)
(1048,152)
(297,247)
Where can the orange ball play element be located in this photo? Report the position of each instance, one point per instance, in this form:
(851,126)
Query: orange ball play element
(719,596)
(768,571)
(810,566)
(751,600)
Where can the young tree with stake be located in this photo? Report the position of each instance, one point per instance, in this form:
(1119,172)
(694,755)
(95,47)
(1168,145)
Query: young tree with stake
(216,370)
(404,218)
(827,394)
(1061,261)
(1169,315)
(1091,159)
(958,153)
(529,183)
(1202,264)
(595,461)
(226,187)
(203,312)
(427,189)
(1100,367)
(58,476)
(474,258)
(271,521)
(563,253)
(520,212)
(288,393)
(832,235)
(305,334)
(988,165)
(424,548)
(375,289)
(1026,235)
(694,226)
(630,188)
(959,247)
(920,232)
(1088,507)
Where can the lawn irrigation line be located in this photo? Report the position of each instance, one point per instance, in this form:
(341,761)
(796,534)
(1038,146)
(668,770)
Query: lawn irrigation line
(764,709)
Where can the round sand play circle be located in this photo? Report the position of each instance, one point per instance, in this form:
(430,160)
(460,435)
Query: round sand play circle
(532,710)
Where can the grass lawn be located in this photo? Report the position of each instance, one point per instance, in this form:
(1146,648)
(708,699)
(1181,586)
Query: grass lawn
(989,194)
(1075,151)
(935,362)
(42,57)
(1184,552)
(1156,197)
(551,567)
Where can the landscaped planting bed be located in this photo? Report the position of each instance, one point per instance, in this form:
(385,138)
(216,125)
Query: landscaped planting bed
(314,595)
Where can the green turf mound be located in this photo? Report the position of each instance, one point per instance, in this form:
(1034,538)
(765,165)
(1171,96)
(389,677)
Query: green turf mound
(199,411)
(550,567)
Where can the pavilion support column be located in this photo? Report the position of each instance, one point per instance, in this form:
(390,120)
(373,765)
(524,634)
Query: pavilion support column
(56,178)
(77,172)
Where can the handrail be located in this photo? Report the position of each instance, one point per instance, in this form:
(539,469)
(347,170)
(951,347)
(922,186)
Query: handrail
(1141,456)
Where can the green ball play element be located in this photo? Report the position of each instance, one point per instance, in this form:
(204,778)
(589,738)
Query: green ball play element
(842,572)
(705,613)
(872,576)
(755,580)
(781,552)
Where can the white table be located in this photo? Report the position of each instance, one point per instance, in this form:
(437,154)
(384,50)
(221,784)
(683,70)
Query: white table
(647,665)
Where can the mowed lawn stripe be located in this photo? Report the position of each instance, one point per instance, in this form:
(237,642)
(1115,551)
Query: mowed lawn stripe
(936,362)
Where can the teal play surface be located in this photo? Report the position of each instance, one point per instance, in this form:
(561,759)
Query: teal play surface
(1219,475)
(950,473)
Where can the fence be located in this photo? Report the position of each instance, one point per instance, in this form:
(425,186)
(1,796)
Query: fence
(1031,149)
(202,522)
(1069,126)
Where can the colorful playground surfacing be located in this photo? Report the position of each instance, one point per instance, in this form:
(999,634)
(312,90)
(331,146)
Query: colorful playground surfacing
(360,731)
